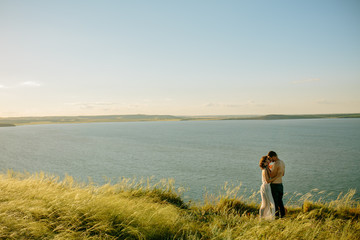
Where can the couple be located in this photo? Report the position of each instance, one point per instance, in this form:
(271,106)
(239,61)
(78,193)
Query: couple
(271,189)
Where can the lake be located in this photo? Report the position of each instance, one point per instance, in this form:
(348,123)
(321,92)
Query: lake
(318,153)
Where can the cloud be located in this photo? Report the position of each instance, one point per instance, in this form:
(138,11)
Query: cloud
(309,80)
(211,105)
(29,84)
(235,105)
(222,105)
(22,84)
(4,86)
(91,105)
(324,101)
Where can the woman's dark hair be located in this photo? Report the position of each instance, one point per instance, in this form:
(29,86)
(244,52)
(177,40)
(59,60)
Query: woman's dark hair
(262,161)
(272,154)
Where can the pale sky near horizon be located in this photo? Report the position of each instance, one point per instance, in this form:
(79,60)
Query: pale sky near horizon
(179,57)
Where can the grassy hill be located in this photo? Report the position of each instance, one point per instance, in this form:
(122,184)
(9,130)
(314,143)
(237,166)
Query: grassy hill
(304,116)
(86,119)
(309,116)
(39,206)
(6,125)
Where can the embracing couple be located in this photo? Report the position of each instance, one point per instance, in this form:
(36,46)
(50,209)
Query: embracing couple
(272,190)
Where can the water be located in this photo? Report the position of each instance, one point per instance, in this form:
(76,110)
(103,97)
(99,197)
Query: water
(321,153)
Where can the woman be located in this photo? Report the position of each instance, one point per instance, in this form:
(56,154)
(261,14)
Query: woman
(267,208)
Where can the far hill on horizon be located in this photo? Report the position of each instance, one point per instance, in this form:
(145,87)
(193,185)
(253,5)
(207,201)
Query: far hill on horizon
(12,121)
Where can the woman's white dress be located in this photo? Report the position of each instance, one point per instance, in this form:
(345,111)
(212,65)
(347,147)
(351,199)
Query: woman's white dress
(267,208)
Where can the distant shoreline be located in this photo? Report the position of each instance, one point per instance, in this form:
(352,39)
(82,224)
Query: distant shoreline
(16,121)
(7,125)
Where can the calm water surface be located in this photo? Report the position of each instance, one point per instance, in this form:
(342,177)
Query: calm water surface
(321,153)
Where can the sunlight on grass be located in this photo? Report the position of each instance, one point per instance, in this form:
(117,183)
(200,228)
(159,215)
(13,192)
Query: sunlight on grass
(41,206)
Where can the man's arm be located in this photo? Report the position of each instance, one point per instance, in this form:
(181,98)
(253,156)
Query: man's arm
(280,174)
(275,170)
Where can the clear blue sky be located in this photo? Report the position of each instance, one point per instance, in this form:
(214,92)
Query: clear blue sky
(179,57)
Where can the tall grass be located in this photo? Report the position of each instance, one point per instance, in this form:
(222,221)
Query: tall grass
(41,206)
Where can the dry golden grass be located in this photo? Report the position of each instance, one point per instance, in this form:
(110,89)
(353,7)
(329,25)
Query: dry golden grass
(38,206)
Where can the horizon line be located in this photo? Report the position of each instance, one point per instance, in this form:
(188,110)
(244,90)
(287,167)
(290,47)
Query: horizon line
(205,115)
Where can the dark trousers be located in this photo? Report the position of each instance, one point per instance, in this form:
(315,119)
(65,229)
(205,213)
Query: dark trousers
(277,191)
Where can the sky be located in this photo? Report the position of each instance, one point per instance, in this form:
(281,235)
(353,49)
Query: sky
(203,57)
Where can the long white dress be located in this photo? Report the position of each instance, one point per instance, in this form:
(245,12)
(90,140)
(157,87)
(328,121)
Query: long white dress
(267,208)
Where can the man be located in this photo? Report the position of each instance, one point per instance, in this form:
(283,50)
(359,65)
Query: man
(277,189)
